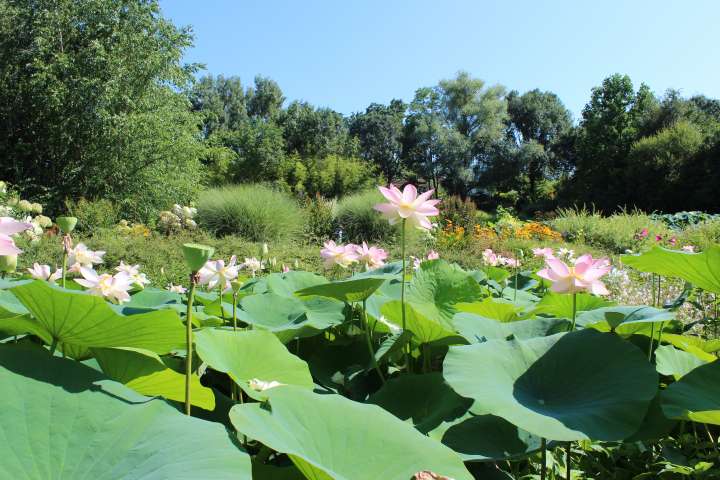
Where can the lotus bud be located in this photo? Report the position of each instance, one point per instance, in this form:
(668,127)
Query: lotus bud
(265,249)
(296,264)
(8,263)
(196,255)
(66,224)
(235,285)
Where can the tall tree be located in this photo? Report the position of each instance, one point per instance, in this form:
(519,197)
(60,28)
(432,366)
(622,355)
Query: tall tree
(265,99)
(380,132)
(311,131)
(220,101)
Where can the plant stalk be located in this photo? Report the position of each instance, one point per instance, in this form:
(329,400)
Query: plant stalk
(188,341)
(371,351)
(402,290)
(568,458)
(574,311)
(543,459)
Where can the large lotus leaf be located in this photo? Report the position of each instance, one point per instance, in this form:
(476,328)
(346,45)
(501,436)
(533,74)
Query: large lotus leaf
(344,439)
(424,329)
(251,355)
(491,308)
(486,437)
(560,305)
(10,306)
(655,425)
(624,319)
(88,321)
(672,361)
(476,329)
(568,386)
(702,349)
(145,372)
(438,286)
(62,419)
(696,396)
(290,317)
(348,291)
(286,284)
(389,271)
(425,400)
(153,298)
(700,269)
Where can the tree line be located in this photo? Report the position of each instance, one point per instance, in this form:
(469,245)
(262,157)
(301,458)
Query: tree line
(96,101)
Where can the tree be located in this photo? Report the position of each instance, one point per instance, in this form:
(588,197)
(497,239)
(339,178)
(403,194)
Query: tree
(220,101)
(313,132)
(265,100)
(380,132)
(260,150)
(91,103)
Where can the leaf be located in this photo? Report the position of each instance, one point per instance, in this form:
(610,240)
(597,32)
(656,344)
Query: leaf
(348,291)
(389,271)
(87,320)
(437,287)
(145,372)
(568,386)
(700,269)
(490,308)
(691,344)
(671,361)
(65,420)
(696,396)
(426,400)
(346,440)
(623,318)
(424,329)
(476,329)
(286,284)
(251,355)
(153,298)
(560,305)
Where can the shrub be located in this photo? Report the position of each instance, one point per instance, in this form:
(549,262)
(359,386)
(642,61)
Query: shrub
(460,212)
(93,215)
(360,221)
(254,212)
(320,214)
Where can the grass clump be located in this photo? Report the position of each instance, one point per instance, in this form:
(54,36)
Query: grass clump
(254,212)
(359,221)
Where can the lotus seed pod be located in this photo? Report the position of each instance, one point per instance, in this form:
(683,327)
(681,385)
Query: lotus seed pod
(196,255)
(236,285)
(8,263)
(66,224)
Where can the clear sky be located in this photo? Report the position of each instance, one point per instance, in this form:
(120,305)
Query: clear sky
(345,54)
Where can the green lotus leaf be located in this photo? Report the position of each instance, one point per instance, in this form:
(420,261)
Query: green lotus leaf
(251,355)
(700,269)
(89,321)
(702,349)
(389,271)
(348,291)
(291,317)
(424,329)
(476,329)
(492,308)
(655,425)
(145,372)
(560,305)
(672,361)
(625,319)
(286,284)
(66,420)
(153,298)
(425,400)
(696,396)
(568,386)
(342,439)
(437,287)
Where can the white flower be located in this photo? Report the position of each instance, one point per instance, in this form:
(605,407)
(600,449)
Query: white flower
(253,264)
(394,329)
(261,385)
(133,272)
(113,287)
(81,256)
(42,272)
(215,273)
(688,248)
(176,288)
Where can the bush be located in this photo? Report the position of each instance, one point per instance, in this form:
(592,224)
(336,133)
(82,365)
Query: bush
(93,215)
(360,221)
(320,214)
(255,212)
(459,212)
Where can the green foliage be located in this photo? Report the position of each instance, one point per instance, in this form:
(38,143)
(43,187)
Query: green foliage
(320,214)
(93,214)
(360,221)
(460,212)
(255,212)
(330,176)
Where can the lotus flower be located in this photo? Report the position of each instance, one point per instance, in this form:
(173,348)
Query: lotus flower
(343,255)
(42,272)
(658,238)
(584,275)
(509,262)
(372,257)
(673,241)
(545,252)
(643,234)
(261,385)
(433,255)
(285,268)
(10,226)
(408,205)
(688,248)
(215,273)
(133,271)
(489,257)
(81,256)
(113,287)
(253,264)
(176,289)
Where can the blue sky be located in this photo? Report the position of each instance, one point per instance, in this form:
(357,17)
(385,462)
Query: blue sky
(345,54)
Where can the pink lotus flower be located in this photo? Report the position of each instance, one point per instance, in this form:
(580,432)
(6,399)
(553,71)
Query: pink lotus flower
(42,272)
(372,257)
(509,262)
(215,273)
(658,238)
(673,241)
(10,226)
(688,248)
(176,288)
(433,255)
(285,268)
(343,255)
(133,271)
(643,233)
(81,256)
(113,287)
(408,205)
(545,252)
(490,258)
(583,276)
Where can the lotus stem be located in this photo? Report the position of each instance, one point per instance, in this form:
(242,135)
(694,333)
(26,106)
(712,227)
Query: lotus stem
(234,311)
(574,311)
(66,248)
(220,301)
(53,346)
(543,459)
(402,289)
(371,351)
(568,458)
(188,340)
